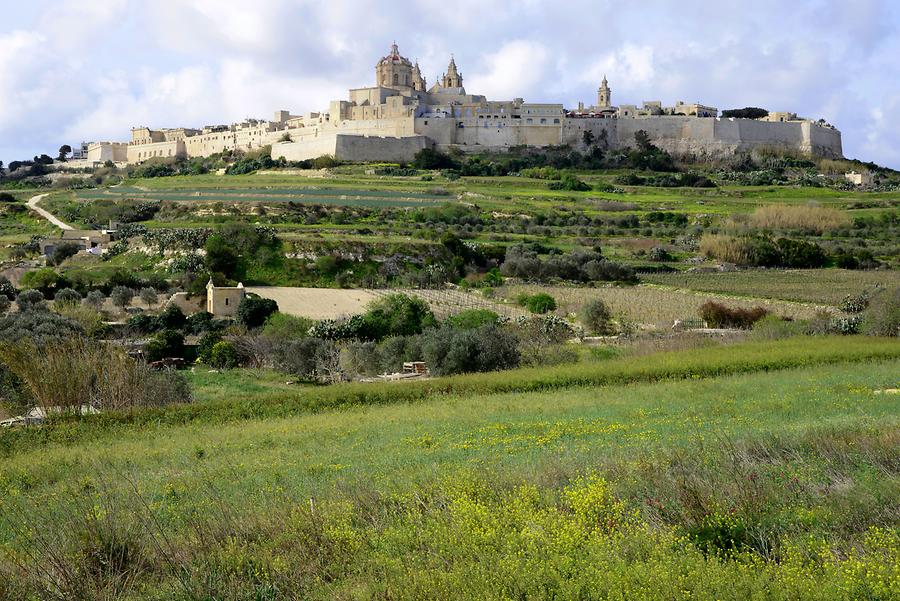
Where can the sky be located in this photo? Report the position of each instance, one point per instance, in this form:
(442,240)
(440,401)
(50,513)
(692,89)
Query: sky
(89,70)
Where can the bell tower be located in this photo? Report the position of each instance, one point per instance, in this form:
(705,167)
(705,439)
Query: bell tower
(604,95)
(452,78)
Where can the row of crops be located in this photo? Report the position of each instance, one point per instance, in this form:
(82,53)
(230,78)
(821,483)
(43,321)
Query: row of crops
(342,196)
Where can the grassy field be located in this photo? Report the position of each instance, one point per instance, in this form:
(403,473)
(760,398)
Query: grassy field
(819,286)
(778,483)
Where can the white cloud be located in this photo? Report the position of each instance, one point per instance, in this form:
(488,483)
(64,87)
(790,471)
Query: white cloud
(94,69)
(516,69)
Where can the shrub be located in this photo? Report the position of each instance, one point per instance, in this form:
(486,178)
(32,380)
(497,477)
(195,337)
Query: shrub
(75,371)
(121,296)
(149,296)
(37,326)
(596,317)
(4,303)
(540,303)
(205,346)
(800,254)
(772,327)
(200,322)
(223,355)
(451,351)
(309,359)
(7,289)
(166,344)
(393,352)
(66,297)
(46,280)
(95,299)
(718,315)
(171,318)
(882,318)
(471,319)
(569,182)
(282,326)
(63,251)
(394,315)
(31,300)
(855,303)
(253,311)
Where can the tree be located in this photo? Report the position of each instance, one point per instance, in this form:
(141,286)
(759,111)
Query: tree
(63,251)
(30,300)
(222,257)
(489,348)
(46,280)
(587,137)
(64,150)
(595,317)
(166,344)
(749,112)
(396,315)
(66,297)
(6,288)
(171,318)
(95,299)
(121,296)
(472,319)
(149,296)
(253,311)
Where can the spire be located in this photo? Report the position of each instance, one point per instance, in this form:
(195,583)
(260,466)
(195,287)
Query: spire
(395,51)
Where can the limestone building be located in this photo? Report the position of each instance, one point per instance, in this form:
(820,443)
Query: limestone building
(400,115)
(223,301)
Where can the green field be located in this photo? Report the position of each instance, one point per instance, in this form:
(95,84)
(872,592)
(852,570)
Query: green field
(781,483)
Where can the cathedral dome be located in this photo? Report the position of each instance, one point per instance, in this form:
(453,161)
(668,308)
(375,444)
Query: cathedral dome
(394,58)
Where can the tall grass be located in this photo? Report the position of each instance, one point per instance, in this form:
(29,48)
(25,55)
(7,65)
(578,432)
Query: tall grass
(704,362)
(789,517)
(729,249)
(806,218)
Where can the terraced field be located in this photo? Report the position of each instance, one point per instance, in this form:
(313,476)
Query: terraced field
(309,195)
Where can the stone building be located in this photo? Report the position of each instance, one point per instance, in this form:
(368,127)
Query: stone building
(399,115)
(223,301)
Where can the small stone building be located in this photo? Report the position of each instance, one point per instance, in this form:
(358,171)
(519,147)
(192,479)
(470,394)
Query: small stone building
(223,301)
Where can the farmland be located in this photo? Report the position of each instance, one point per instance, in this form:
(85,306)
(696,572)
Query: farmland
(377,483)
(472,381)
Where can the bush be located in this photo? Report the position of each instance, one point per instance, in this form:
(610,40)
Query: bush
(309,359)
(63,251)
(882,318)
(66,297)
(223,355)
(717,315)
(4,303)
(30,300)
(451,351)
(253,311)
(95,299)
(37,326)
(772,327)
(72,372)
(569,182)
(171,318)
(540,303)
(166,344)
(429,158)
(121,296)
(200,322)
(472,319)
(46,280)
(282,326)
(394,315)
(596,317)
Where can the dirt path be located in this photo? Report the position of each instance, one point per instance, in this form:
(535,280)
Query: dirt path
(33,205)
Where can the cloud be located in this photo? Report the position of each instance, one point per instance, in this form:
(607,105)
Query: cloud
(91,70)
(516,69)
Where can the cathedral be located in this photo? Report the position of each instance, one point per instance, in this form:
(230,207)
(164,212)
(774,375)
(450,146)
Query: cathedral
(400,115)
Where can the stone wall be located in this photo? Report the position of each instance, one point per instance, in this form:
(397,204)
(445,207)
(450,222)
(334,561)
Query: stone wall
(352,148)
(709,137)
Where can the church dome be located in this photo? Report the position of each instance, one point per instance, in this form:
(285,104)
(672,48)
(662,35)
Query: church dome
(394,58)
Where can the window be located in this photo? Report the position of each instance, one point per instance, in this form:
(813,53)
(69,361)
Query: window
(543,121)
(529,120)
(226,301)
(556,121)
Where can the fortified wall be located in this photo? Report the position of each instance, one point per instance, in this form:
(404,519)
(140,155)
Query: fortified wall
(400,115)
